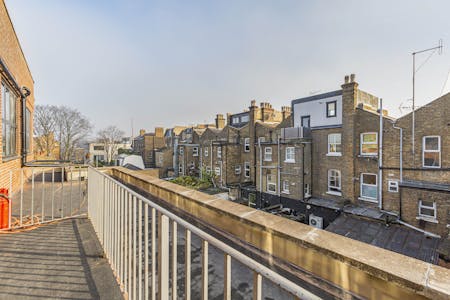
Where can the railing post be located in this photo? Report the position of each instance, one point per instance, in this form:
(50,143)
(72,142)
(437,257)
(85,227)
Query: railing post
(153,230)
(204,292)
(174,260)
(139,249)
(187,266)
(163,257)
(227,277)
(257,286)
(146,293)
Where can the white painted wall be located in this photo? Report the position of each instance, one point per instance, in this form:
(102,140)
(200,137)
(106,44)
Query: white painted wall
(317,110)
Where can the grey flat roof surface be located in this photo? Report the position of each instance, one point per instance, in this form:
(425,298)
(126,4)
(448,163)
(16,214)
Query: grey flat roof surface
(395,237)
(56,261)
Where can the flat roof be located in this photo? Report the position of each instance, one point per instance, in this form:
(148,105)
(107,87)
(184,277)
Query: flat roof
(317,97)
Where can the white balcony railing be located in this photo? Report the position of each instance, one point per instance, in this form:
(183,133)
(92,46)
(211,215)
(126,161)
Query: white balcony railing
(139,238)
(41,194)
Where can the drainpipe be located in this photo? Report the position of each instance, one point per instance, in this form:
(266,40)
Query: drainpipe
(401,168)
(211,156)
(200,149)
(401,151)
(260,168)
(380,159)
(25,92)
(279,169)
(175,157)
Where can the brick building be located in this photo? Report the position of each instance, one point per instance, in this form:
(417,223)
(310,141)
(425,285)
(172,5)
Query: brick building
(17,101)
(146,145)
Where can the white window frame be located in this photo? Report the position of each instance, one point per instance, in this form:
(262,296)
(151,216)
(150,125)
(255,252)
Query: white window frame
(335,190)
(267,153)
(206,152)
(290,155)
(208,170)
(195,151)
(235,120)
(361,143)
(285,189)
(245,118)
(332,153)
(426,217)
(181,150)
(237,169)
(247,169)
(9,119)
(270,183)
(393,186)
(219,152)
(246,144)
(307,190)
(431,151)
(217,171)
(361,183)
(261,139)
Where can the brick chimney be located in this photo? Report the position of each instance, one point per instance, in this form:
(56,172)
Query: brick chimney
(266,111)
(220,121)
(141,131)
(286,112)
(159,131)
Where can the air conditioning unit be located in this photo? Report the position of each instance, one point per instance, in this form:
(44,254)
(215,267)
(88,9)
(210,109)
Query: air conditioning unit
(316,221)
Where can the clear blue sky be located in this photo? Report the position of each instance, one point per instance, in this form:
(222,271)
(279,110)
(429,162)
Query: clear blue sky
(166,63)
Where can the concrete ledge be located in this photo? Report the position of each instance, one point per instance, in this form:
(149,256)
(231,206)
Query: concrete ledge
(362,269)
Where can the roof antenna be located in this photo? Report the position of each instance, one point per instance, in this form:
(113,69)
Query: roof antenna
(439,49)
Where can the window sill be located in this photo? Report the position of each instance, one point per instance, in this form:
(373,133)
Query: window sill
(427,219)
(334,193)
(431,167)
(368,155)
(290,161)
(266,160)
(10,158)
(368,199)
(270,192)
(334,154)
(307,196)
(285,192)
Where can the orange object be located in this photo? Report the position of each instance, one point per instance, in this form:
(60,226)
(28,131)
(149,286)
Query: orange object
(4,208)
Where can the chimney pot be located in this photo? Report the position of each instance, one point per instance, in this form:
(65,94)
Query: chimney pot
(352,77)
(346,79)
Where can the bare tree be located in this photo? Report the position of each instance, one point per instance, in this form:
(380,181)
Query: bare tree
(71,128)
(111,137)
(44,128)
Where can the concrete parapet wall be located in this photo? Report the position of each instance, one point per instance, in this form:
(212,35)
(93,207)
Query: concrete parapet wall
(359,268)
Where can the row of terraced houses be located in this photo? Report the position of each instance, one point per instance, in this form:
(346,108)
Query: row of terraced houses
(321,156)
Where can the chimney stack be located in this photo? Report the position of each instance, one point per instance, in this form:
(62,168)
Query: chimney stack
(141,131)
(286,112)
(220,121)
(159,132)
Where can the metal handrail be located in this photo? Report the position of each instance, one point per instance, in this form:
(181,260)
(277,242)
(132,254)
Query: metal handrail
(117,187)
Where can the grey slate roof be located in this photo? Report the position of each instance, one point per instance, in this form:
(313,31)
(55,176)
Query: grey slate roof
(394,237)
(425,185)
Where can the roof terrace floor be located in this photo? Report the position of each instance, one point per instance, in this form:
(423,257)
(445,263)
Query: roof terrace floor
(62,260)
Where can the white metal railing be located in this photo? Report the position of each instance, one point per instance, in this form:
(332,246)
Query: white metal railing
(38,195)
(136,235)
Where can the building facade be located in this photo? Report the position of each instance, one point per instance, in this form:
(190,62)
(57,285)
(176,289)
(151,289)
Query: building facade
(17,102)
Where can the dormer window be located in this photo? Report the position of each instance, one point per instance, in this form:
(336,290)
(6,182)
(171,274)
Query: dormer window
(331,109)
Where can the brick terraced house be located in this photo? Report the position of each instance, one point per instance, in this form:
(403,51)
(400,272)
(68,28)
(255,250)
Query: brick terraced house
(17,102)
(321,158)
